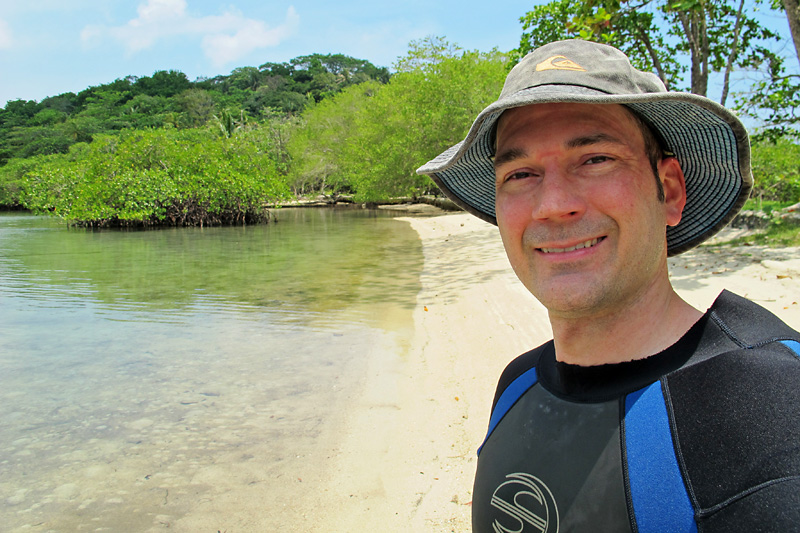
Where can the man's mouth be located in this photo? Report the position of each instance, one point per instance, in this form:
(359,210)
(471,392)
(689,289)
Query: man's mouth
(585,244)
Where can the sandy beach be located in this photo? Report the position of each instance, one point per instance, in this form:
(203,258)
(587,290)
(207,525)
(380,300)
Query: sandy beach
(408,457)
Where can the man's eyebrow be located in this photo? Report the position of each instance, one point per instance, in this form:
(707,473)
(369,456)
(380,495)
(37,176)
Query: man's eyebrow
(507,156)
(588,140)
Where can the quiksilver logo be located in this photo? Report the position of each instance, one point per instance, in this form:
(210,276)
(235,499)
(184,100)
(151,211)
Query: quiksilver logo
(527,506)
(559,63)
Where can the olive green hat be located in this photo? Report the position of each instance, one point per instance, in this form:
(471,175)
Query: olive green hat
(709,141)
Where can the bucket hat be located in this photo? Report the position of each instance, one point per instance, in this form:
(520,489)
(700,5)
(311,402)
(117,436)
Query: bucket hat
(709,142)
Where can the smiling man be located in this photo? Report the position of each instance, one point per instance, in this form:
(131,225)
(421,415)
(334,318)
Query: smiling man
(642,414)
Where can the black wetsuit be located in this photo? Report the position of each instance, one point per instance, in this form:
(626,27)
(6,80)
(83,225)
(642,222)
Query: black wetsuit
(704,436)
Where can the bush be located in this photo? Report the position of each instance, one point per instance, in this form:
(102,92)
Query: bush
(158,177)
(369,139)
(776,171)
(12,179)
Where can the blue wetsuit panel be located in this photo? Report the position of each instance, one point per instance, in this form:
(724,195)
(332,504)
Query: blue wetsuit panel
(517,388)
(658,494)
(793,346)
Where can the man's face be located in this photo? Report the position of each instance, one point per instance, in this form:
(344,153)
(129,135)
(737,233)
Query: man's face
(577,206)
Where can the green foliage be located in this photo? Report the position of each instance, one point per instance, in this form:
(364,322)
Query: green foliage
(291,86)
(19,112)
(142,178)
(48,117)
(196,107)
(765,206)
(316,143)
(776,171)
(163,150)
(264,98)
(426,53)
(369,139)
(37,140)
(164,83)
(775,103)
(229,124)
(416,116)
(167,97)
(66,103)
(720,37)
(12,180)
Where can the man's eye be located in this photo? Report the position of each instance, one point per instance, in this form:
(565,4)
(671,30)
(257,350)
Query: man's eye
(597,159)
(519,175)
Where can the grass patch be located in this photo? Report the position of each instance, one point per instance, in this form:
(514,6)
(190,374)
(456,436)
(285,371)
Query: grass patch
(765,206)
(780,233)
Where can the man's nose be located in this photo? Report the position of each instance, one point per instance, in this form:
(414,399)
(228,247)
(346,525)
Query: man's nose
(557,198)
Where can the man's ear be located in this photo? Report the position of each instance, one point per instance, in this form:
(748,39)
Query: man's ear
(674,183)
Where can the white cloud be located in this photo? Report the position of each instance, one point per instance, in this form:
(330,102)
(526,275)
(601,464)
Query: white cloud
(254,34)
(158,10)
(6,37)
(225,38)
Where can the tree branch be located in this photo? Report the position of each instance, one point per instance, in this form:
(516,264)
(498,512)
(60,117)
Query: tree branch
(734,50)
(643,35)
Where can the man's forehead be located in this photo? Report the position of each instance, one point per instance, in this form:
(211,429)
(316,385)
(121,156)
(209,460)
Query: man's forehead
(591,111)
(566,107)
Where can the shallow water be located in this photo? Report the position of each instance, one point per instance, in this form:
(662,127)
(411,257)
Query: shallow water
(159,379)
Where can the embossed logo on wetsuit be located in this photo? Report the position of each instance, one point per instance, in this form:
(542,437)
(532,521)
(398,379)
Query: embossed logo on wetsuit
(528,506)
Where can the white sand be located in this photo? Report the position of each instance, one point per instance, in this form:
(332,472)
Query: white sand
(409,458)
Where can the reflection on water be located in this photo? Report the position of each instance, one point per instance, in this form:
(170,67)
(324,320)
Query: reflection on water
(318,261)
(161,379)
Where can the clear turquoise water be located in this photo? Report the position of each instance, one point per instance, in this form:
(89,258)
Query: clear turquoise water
(150,377)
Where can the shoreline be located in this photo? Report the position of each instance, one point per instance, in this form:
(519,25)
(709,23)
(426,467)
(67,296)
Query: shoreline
(409,448)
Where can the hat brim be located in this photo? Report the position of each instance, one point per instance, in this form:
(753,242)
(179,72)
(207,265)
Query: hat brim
(709,141)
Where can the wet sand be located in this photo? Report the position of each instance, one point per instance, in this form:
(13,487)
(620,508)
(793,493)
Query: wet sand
(408,458)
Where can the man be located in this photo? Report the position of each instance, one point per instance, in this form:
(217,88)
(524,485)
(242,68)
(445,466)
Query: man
(642,414)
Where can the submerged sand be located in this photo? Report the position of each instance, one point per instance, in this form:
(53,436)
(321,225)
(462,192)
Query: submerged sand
(408,458)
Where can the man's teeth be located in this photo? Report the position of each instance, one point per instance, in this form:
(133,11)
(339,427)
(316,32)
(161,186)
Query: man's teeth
(587,244)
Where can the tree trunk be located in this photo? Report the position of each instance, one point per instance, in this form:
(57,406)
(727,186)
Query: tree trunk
(734,51)
(793,16)
(702,32)
(687,19)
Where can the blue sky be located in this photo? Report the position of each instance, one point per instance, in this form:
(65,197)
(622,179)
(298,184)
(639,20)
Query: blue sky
(48,47)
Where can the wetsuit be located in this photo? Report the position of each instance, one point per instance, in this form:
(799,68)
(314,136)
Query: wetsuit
(704,436)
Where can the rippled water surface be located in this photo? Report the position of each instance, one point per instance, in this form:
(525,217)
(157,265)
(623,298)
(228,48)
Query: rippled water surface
(159,379)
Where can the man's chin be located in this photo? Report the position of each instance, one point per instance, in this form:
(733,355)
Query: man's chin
(576,298)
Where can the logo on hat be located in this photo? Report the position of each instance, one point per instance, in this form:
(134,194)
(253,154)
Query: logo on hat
(527,506)
(559,63)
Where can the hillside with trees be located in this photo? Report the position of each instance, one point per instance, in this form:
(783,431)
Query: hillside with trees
(163,150)
(169,99)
